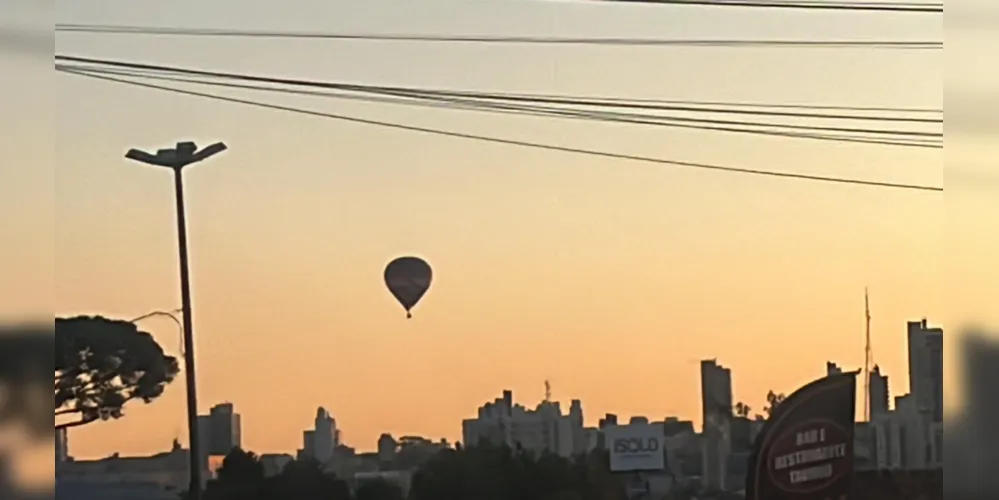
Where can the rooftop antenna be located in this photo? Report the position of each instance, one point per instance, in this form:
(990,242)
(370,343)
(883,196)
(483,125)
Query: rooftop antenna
(868,358)
(548,391)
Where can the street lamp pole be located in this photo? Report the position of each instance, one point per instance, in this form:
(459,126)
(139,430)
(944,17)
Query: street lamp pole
(184,154)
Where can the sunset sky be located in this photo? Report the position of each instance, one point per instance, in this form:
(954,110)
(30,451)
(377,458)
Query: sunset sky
(609,278)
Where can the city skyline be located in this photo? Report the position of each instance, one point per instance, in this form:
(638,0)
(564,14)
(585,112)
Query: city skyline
(612,279)
(221,414)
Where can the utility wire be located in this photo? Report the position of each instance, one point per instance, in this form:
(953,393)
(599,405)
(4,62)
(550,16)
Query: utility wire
(695,106)
(620,117)
(512,142)
(419,95)
(607,102)
(652,103)
(200,32)
(911,7)
(909,139)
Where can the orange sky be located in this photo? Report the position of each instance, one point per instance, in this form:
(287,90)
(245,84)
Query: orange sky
(611,279)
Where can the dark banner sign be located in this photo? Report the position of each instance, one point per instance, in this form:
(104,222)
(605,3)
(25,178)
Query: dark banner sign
(805,450)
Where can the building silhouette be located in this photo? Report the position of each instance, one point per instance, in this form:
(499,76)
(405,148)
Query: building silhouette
(222,428)
(543,429)
(165,472)
(926,368)
(879,392)
(220,431)
(321,442)
(910,435)
(716,393)
(386,448)
(716,408)
(609,419)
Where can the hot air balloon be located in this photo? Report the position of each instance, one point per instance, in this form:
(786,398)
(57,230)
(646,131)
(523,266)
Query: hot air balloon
(408,278)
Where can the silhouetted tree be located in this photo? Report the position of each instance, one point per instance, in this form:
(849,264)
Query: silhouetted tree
(306,480)
(241,477)
(378,489)
(101,364)
(413,452)
(501,473)
(742,410)
(773,400)
(476,473)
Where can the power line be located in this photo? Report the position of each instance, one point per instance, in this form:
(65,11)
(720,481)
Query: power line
(910,7)
(615,41)
(619,101)
(911,138)
(693,107)
(611,102)
(512,142)
(907,139)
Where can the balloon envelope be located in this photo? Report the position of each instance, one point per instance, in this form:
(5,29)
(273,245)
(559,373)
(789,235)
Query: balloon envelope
(408,278)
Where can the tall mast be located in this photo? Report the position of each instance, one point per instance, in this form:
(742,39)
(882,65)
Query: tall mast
(868,358)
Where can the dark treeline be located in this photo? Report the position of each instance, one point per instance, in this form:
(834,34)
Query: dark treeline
(479,473)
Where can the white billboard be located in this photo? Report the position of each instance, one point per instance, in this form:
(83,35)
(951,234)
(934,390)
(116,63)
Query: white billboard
(635,447)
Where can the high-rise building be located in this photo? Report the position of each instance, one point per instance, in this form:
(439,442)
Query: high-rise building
(716,393)
(903,437)
(926,368)
(879,392)
(833,369)
(324,439)
(220,431)
(321,442)
(543,429)
(308,445)
(716,405)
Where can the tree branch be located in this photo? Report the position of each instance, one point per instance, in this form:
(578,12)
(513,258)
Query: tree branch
(67,411)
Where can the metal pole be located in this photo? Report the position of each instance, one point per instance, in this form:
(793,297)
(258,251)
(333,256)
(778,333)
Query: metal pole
(194,490)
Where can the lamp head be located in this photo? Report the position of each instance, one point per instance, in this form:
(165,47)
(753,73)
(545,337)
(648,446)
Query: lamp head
(182,155)
(209,151)
(144,157)
(186,148)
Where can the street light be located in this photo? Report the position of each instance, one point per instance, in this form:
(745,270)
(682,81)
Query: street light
(184,154)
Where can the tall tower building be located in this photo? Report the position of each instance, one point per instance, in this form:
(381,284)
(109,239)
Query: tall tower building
(926,368)
(325,436)
(833,369)
(716,392)
(716,406)
(221,429)
(879,392)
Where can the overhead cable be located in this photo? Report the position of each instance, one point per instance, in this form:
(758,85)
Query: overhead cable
(725,107)
(843,134)
(489,39)
(901,7)
(449,96)
(513,142)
